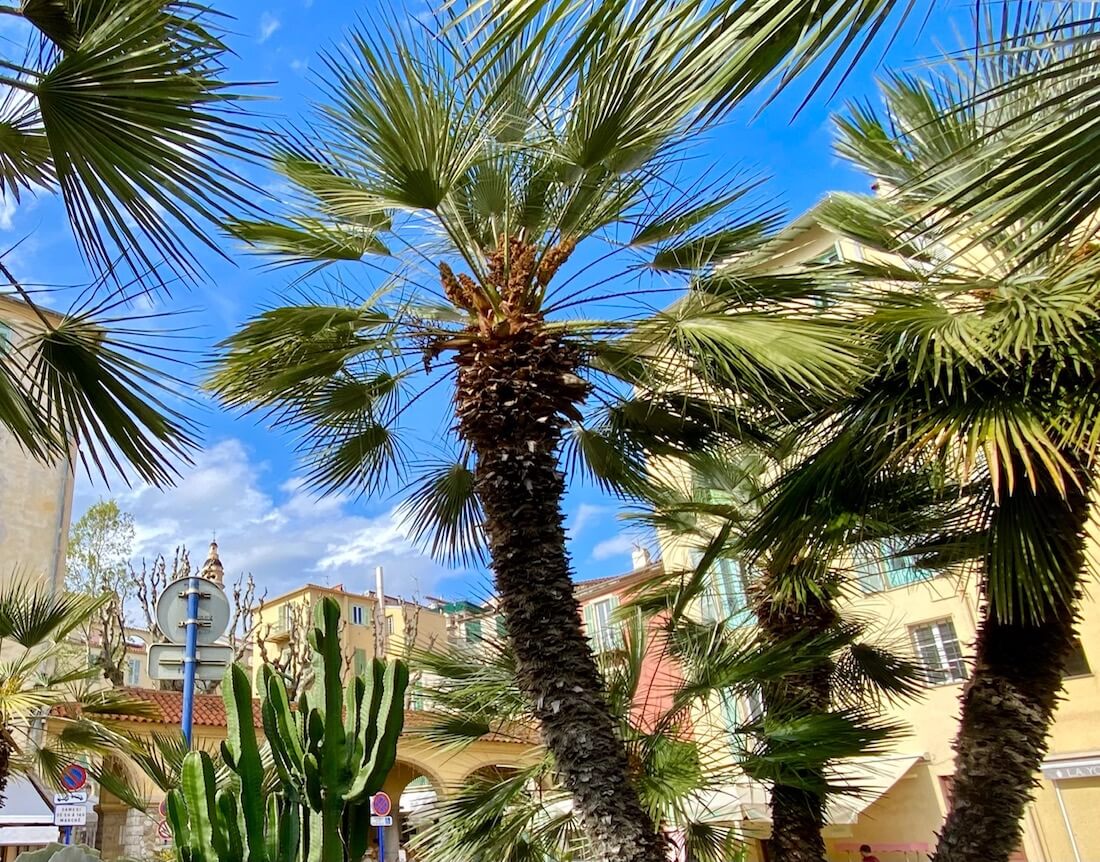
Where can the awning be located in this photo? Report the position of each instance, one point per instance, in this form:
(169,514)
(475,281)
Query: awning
(25,815)
(747,801)
(870,779)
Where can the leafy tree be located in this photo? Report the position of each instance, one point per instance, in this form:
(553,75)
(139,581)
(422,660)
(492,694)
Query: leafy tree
(500,201)
(984,363)
(119,108)
(100,545)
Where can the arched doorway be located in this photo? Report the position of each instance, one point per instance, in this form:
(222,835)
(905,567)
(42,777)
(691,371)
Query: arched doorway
(413,789)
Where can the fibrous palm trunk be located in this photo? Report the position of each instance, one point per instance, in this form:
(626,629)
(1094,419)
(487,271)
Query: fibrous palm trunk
(798,814)
(514,393)
(1008,704)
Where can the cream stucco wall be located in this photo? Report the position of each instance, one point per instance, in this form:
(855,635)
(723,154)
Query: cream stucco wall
(35,498)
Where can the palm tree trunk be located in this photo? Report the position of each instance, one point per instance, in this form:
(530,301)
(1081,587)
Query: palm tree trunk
(1008,705)
(798,815)
(512,397)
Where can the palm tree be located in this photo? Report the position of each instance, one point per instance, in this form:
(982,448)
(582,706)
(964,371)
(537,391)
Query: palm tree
(986,365)
(120,108)
(497,205)
(44,675)
(525,814)
(779,552)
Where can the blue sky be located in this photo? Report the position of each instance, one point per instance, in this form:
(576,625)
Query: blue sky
(244,484)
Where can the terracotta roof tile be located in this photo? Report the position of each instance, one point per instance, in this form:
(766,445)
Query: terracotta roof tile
(209,711)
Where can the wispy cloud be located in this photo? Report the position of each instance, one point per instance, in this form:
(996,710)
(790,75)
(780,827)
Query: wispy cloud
(284,538)
(618,545)
(299,66)
(7,211)
(268,25)
(585,515)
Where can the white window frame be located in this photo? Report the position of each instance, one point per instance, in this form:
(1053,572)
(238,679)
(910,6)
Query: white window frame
(604,634)
(949,671)
(133,671)
(357,615)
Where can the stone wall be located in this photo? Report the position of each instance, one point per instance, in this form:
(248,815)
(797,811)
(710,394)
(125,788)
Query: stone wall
(35,498)
(129,834)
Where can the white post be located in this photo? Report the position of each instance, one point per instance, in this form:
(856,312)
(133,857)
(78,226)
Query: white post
(1065,820)
(381,630)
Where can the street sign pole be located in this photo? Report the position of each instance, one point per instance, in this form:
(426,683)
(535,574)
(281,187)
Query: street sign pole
(67,835)
(190,648)
(381,844)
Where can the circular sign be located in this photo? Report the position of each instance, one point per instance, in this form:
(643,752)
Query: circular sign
(164,831)
(162,809)
(74,777)
(380,804)
(213,616)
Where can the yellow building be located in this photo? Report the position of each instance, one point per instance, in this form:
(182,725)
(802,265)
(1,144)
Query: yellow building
(283,620)
(934,619)
(36,502)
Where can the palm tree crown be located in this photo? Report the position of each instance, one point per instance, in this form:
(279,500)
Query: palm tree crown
(497,197)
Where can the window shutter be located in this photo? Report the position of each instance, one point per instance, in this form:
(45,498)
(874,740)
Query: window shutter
(615,634)
(590,624)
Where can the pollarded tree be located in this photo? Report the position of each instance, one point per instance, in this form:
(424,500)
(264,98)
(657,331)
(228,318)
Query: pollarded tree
(501,202)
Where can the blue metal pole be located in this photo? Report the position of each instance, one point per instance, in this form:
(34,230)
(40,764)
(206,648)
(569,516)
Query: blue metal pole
(381,844)
(68,835)
(190,650)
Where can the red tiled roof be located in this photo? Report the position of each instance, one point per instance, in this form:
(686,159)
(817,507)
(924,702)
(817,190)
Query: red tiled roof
(588,589)
(209,711)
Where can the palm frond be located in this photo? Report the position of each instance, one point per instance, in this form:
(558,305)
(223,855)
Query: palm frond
(140,127)
(442,510)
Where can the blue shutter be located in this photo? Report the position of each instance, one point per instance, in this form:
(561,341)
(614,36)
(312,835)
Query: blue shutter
(729,717)
(728,577)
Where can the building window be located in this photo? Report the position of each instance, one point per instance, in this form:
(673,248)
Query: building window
(133,671)
(389,625)
(473,631)
(730,580)
(602,632)
(360,662)
(879,568)
(1077,664)
(937,647)
(357,614)
(5,337)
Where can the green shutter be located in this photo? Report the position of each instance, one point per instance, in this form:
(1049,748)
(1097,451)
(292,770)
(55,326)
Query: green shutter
(502,629)
(616,636)
(473,631)
(360,662)
(590,625)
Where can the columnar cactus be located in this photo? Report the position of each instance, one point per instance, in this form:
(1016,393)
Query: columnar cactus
(331,754)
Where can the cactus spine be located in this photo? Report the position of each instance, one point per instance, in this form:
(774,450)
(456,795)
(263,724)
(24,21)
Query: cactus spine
(330,754)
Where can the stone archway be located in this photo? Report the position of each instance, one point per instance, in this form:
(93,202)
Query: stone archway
(411,786)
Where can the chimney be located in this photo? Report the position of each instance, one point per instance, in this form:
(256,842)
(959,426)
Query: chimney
(639,555)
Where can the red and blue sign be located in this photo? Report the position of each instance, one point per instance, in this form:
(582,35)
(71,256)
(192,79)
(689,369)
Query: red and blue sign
(74,777)
(380,804)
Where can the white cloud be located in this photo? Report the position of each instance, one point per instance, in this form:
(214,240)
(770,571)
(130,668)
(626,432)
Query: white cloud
(299,66)
(585,515)
(268,25)
(613,547)
(284,539)
(7,211)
